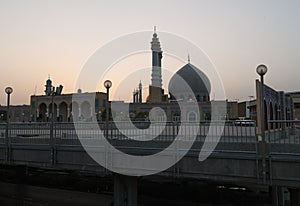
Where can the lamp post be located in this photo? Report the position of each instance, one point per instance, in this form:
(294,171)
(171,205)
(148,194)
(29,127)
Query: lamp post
(261,71)
(52,141)
(107,85)
(8,91)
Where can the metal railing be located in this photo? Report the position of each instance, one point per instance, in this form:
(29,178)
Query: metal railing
(67,133)
(2,133)
(234,136)
(283,131)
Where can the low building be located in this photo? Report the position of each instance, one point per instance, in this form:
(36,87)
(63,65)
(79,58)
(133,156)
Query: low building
(18,113)
(278,105)
(171,111)
(66,107)
(296,100)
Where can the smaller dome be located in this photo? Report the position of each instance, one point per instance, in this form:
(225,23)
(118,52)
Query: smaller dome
(195,79)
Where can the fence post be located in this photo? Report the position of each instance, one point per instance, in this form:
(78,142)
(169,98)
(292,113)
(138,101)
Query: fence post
(52,144)
(7,143)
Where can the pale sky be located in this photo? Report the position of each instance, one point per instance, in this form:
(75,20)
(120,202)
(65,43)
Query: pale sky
(56,37)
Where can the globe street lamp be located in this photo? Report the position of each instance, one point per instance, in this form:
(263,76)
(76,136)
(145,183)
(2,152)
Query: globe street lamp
(261,71)
(8,91)
(107,85)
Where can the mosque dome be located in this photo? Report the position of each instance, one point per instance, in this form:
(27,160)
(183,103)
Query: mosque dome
(197,81)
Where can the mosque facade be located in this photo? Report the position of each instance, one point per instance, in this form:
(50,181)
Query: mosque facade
(67,107)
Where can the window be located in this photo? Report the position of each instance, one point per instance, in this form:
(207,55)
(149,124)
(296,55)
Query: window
(192,117)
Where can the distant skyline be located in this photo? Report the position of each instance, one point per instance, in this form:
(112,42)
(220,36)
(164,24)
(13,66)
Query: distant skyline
(39,38)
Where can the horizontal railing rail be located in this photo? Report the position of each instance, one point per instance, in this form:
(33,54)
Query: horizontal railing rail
(283,131)
(234,136)
(39,133)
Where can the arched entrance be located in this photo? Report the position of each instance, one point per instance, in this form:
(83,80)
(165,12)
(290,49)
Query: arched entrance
(42,115)
(192,116)
(265,115)
(86,111)
(75,111)
(63,112)
(52,114)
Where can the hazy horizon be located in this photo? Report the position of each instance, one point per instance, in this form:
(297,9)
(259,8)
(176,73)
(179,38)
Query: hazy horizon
(41,38)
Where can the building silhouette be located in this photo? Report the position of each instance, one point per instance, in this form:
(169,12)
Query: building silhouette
(91,105)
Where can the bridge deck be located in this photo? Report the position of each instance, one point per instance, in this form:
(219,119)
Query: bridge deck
(235,159)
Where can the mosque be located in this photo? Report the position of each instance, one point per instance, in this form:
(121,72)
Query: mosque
(65,110)
(86,106)
(197,81)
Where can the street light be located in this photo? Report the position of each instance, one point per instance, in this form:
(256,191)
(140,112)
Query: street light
(107,85)
(52,140)
(8,91)
(261,71)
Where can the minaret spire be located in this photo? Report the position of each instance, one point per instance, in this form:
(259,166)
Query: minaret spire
(156,79)
(189,59)
(140,92)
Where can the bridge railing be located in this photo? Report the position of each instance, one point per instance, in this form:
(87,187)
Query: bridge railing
(67,133)
(284,131)
(2,133)
(283,136)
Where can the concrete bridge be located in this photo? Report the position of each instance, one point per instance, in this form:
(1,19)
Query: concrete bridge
(238,158)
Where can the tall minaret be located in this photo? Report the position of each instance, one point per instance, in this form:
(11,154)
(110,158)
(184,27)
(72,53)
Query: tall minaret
(48,86)
(156,80)
(140,92)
